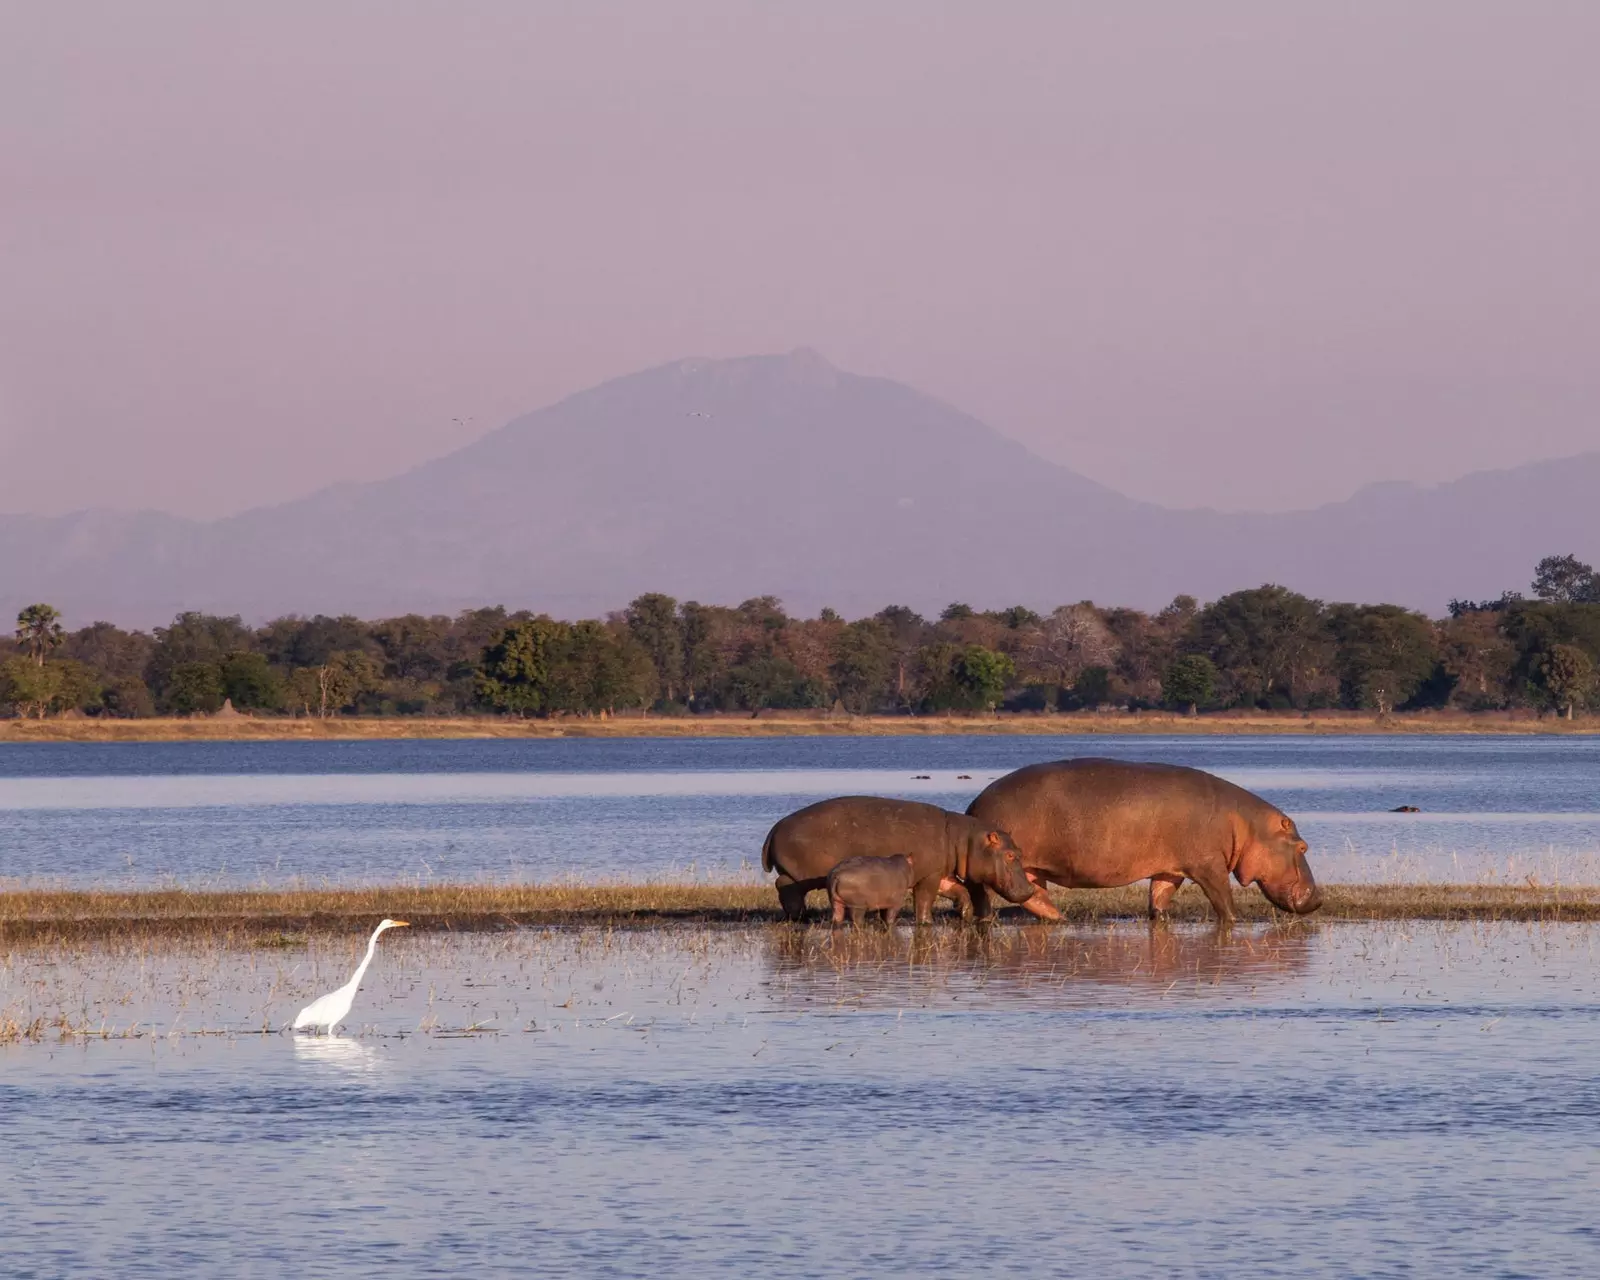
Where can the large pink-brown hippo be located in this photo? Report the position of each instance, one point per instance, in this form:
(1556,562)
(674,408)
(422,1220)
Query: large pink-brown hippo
(1097,824)
(950,851)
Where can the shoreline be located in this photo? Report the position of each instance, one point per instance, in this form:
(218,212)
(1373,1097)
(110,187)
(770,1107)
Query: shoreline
(241,728)
(286,917)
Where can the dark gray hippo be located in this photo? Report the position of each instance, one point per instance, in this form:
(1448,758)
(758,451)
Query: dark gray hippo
(1097,824)
(862,885)
(949,851)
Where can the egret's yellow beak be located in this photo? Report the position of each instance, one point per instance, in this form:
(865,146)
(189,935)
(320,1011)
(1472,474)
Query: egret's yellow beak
(402,924)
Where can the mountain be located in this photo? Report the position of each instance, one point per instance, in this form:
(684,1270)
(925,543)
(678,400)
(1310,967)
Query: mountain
(722,479)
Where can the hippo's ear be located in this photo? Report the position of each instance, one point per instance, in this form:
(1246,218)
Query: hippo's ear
(992,839)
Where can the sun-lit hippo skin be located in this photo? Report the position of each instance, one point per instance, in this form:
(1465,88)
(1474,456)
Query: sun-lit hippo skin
(862,885)
(949,851)
(1097,824)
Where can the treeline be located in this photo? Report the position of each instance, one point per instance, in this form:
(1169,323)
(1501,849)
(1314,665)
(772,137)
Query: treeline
(1268,648)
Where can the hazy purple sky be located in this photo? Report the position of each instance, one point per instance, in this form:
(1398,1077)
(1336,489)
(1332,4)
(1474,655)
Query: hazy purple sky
(1245,254)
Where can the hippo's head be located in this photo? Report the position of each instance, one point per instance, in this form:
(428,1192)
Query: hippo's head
(994,860)
(1273,855)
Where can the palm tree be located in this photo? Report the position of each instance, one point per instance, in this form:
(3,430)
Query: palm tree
(39,630)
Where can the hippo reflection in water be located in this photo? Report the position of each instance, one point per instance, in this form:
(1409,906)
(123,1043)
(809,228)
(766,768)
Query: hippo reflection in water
(1099,824)
(1034,967)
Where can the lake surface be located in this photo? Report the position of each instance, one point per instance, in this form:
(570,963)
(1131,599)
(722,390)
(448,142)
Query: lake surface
(342,813)
(1334,1100)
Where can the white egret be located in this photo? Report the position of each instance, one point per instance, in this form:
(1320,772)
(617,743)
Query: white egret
(327,1012)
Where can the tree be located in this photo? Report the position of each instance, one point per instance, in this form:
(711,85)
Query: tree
(765,612)
(957,677)
(1189,681)
(771,680)
(863,658)
(414,647)
(905,628)
(1477,658)
(1566,674)
(703,626)
(1383,653)
(304,690)
(39,630)
(982,675)
(192,638)
(1017,617)
(623,674)
(1268,641)
(311,642)
(334,685)
(514,675)
(956,612)
(248,681)
(1536,627)
(112,653)
(593,668)
(1092,688)
(1566,580)
(27,687)
(654,624)
(1072,638)
(193,687)
(126,698)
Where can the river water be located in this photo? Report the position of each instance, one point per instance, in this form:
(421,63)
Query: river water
(1333,1100)
(275,813)
(1328,1099)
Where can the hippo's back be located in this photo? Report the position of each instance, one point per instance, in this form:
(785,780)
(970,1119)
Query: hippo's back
(1070,808)
(811,841)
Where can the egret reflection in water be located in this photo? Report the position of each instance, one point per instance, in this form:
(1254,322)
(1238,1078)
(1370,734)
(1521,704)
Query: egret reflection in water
(341,1053)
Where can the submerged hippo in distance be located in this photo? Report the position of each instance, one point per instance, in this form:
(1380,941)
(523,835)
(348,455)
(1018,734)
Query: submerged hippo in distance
(860,885)
(949,851)
(1097,824)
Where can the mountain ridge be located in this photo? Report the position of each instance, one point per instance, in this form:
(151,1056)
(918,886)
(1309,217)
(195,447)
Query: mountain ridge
(782,475)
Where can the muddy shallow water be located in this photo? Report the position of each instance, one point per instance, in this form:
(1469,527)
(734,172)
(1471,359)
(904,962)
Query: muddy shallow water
(1338,1100)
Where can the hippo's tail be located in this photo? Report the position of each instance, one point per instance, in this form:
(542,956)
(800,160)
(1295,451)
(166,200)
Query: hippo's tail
(767,864)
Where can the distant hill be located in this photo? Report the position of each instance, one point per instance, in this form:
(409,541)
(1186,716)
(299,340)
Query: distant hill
(723,479)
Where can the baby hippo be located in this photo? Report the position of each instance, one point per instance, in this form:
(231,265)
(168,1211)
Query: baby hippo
(864,884)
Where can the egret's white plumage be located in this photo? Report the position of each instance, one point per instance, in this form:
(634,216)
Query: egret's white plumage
(327,1012)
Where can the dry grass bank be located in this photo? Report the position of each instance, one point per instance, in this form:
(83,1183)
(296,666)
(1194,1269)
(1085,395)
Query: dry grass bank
(269,917)
(780,724)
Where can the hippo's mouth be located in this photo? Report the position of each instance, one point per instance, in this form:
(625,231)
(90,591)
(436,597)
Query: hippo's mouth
(1040,905)
(1300,901)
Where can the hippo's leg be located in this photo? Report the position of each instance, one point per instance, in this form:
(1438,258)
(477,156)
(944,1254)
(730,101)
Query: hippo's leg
(838,912)
(792,898)
(923,894)
(858,916)
(890,914)
(953,889)
(1162,887)
(1213,882)
(982,903)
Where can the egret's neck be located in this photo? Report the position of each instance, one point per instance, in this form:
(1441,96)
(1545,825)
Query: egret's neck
(372,947)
